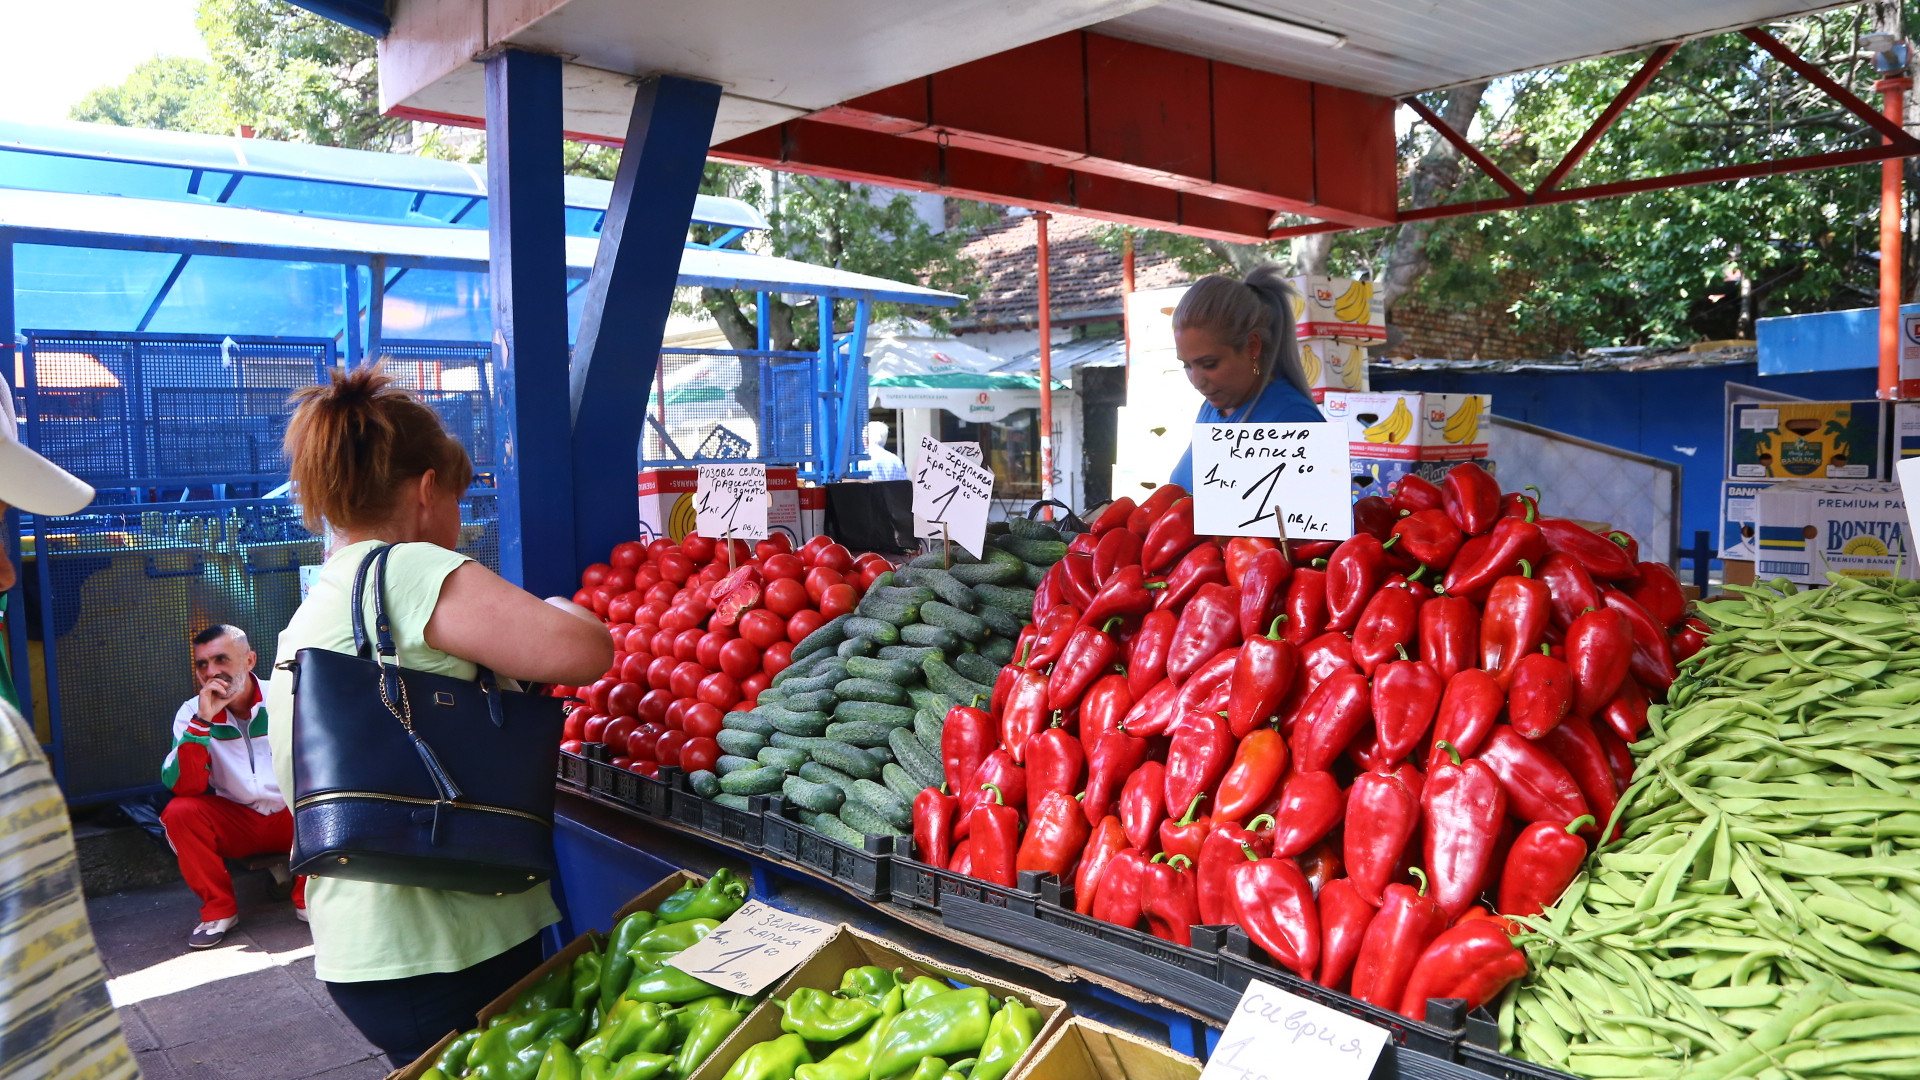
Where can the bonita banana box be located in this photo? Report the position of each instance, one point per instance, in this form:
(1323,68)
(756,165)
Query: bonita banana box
(1331,307)
(666,504)
(1413,426)
(1808,440)
(1805,530)
(1332,364)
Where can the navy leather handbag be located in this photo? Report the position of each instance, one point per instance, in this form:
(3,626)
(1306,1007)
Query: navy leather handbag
(412,778)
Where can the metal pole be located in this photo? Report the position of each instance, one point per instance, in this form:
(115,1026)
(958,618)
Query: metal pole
(1046,365)
(1126,291)
(1893,103)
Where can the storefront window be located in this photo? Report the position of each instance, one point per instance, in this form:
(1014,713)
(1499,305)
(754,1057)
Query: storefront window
(1011,446)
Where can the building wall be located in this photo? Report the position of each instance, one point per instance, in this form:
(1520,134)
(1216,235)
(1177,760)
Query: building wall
(1468,334)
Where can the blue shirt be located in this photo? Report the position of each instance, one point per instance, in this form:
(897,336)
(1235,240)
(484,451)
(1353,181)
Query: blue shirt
(1279,403)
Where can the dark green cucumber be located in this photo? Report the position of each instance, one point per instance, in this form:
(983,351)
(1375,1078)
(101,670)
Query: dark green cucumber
(772,695)
(998,649)
(737,802)
(892,808)
(935,638)
(939,554)
(834,829)
(882,757)
(870,690)
(898,606)
(734,763)
(998,528)
(807,795)
(856,646)
(942,679)
(896,672)
(901,783)
(881,631)
(704,783)
(831,633)
(741,743)
(764,780)
(845,758)
(1033,574)
(946,616)
(1011,598)
(812,701)
(1001,568)
(789,760)
(850,712)
(861,733)
(1029,529)
(915,757)
(758,723)
(976,667)
(1001,621)
(927,701)
(823,677)
(1038,552)
(885,580)
(821,774)
(791,742)
(865,820)
(944,585)
(928,727)
(809,724)
(912,654)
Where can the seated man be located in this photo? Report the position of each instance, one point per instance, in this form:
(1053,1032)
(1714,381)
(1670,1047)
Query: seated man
(226,803)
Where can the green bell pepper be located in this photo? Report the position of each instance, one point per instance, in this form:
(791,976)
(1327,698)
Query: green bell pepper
(640,1025)
(515,1050)
(617,969)
(850,1061)
(930,1068)
(453,1060)
(559,1063)
(944,1024)
(722,895)
(551,992)
(668,940)
(587,970)
(818,1016)
(710,1021)
(667,984)
(775,1059)
(923,988)
(960,1070)
(595,1067)
(868,981)
(641,1065)
(1008,1037)
(434,1074)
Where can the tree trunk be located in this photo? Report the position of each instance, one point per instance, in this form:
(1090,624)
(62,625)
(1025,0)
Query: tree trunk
(1434,178)
(1310,253)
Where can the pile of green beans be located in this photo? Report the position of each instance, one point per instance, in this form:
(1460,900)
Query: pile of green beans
(1758,913)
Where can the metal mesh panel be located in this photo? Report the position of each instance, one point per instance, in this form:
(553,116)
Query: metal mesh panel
(736,406)
(1592,482)
(456,379)
(480,529)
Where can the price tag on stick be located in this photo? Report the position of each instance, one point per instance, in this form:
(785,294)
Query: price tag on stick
(1244,475)
(752,949)
(1273,1034)
(731,500)
(951,496)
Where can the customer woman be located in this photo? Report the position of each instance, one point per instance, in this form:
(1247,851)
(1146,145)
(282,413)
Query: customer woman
(407,965)
(1235,338)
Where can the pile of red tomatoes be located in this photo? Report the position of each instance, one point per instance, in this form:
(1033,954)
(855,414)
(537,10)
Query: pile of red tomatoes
(698,632)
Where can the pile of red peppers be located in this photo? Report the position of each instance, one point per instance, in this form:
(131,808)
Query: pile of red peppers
(1364,753)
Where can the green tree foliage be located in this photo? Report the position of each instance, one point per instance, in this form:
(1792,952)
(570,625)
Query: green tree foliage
(295,76)
(174,93)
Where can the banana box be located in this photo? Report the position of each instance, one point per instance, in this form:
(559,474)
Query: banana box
(1340,308)
(1806,530)
(1808,440)
(666,504)
(1413,426)
(1739,517)
(1332,364)
(1906,431)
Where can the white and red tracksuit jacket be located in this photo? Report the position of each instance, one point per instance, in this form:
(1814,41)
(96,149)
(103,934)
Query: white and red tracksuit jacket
(228,758)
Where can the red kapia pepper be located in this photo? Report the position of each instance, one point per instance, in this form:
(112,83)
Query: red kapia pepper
(1599,650)
(1260,680)
(1240,552)
(1386,627)
(1514,622)
(1056,836)
(1026,713)
(1540,695)
(966,738)
(1311,804)
(1652,660)
(1055,629)
(934,812)
(1263,591)
(1208,689)
(1053,588)
(1464,806)
(1619,757)
(1449,634)
(1599,556)
(1008,678)
(1143,804)
(1408,922)
(1168,898)
(1006,779)
(1152,713)
(1087,656)
(1374,514)
(1344,918)
(1471,497)
(1429,536)
(1202,749)
(1102,708)
(1210,624)
(1078,585)
(1113,517)
(1273,902)
(1569,586)
(1220,855)
(1055,761)
(1467,713)
(1184,837)
(993,838)
(1319,658)
(1413,493)
(1114,550)
(1354,573)
(1577,745)
(1329,719)
(1147,651)
(1117,899)
(1169,538)
(1406,696)
(1112,758)
(1382,812)
(1658,590)
(1306,605)
(1258,764)
(1474,960)
(1142,519)
(1515,504)
(1689,639)
(1512,541)
(1538,787)
(1201,566)
(1127,595)
(1107,840)
(1626,714)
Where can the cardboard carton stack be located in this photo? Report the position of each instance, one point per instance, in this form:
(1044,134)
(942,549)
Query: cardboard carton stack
(1335,320)
(1392,434)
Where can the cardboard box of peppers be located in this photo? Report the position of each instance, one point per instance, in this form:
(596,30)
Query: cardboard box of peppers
(1363,753)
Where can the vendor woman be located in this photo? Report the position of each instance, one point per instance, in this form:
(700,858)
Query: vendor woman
(1235,338)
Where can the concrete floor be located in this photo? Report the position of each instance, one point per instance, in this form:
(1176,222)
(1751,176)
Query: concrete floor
(249,1008)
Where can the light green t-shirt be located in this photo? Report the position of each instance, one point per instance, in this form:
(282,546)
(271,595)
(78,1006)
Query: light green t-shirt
(364,931)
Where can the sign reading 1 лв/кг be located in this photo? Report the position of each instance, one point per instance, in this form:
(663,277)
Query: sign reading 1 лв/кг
(1246,474)
(731,500)
(752,949)
(951,494)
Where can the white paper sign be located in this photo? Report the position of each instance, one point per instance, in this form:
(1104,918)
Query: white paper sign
(731,498)
(1277,1034)
(1244,473)
(1908,473)
(753,948)
(951,489)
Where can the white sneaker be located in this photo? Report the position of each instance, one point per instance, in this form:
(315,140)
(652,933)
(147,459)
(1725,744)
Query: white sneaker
(209,934)
(300,913)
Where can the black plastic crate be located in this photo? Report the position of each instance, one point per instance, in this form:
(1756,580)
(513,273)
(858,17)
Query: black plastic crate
(861,871)
(741,828)
(1491,1062)
(602,778)
(573,770)
(917,885)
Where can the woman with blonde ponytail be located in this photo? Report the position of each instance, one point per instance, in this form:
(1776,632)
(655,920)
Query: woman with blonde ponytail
(1235,338)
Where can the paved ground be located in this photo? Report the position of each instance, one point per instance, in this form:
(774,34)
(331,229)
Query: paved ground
(250,1008)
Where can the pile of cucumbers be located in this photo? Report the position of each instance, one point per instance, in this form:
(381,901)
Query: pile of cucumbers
(850,733)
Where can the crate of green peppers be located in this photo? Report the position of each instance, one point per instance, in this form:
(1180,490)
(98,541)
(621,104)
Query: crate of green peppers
(860,1009)
(859,869)
(609,1008)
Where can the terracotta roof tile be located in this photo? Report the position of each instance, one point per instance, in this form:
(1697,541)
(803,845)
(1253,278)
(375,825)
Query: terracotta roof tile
(1085,276)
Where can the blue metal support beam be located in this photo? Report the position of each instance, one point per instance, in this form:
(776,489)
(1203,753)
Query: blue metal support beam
(627,301)
(352,275)
(376,305)
(526,226)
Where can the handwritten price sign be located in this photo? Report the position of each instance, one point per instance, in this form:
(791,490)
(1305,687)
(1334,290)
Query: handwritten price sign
(752,949)
(1275,1034)
(1245,475)
(950,489)
(731,499)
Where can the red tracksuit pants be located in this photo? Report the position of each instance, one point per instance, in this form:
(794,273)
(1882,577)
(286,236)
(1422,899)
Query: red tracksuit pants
(206,829)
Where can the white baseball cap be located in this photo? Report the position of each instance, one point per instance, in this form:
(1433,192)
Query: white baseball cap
(29,481)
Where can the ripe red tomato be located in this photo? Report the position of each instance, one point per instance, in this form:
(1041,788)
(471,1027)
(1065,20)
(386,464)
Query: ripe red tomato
(838,600)
(706,652)
(836,557)
(686,644)
(675,567)
(686,679)
(701,720)
(627,556)
(661,644)
(618,632)
(639,639)
(677,713)
(697,547)
(784,566)
(709,574)
(592,576)
(872,558)
(653,705)
(574,727)
(667,750)
(777,544)
(661,592)
(660,671)
(699,753)
(738,658)
(645,768)
(818,579)
(622,763)
(657,547)
(624,699)
(621,608)
(680,617)
(719,690)
(616,734)
(634,668)
(640,741)
(785,596)
(810,551)
(617,581)
(777,657)
(869,573)
(762,628)
(595,729)
(601,598)
(803,623)
(596,694)
(570,746)
(584,598)
(751,686)
(647,575)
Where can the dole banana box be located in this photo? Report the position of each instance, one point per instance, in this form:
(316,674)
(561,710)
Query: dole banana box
(1808,440)
(1332,364)
(1413,426)
(666,504)
(1805,530)
(1341,308)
